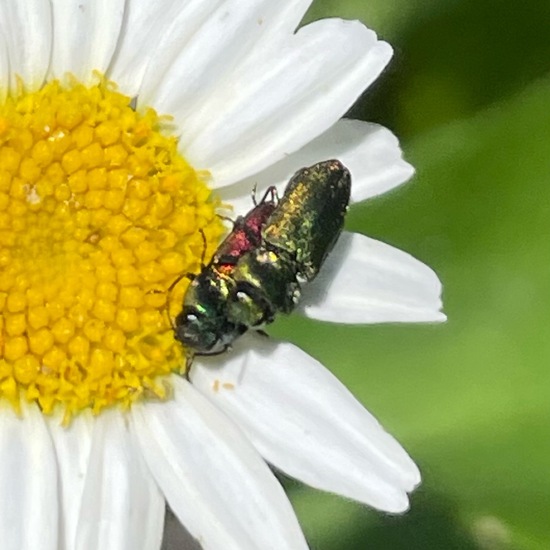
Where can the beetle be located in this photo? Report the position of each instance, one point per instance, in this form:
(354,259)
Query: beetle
(258,271)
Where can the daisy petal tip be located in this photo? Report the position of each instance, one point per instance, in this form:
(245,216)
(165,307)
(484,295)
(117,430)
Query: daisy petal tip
(408,476)
(384,50)
(414,478)
(394,502)
(440,317)
(434,295)
(393,144)
(407,170)
(434,314)
(399,505)
(399,174)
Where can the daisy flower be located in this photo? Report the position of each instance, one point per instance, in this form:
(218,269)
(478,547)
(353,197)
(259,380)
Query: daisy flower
(117,120)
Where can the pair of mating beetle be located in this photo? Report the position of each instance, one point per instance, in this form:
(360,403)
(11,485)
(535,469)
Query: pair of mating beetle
(259,268)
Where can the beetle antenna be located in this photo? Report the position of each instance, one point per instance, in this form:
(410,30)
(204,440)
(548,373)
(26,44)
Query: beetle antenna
(167,304)
(203,255)
(227,219)
(191,277)
(189,356)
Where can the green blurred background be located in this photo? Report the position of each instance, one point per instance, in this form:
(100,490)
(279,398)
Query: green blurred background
(468,93)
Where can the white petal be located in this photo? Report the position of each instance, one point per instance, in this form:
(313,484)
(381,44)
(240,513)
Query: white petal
(376,162)
(150,28)
(197,54)
(366,281)
(85,36)
(194,53)
(122,506)
(369,151)
(72,447)
(165,31)
(283,94)
(276,106)
(212,477)
(306,423)
(27,28)
(28,482)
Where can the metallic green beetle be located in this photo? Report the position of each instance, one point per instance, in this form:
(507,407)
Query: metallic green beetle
(266,277)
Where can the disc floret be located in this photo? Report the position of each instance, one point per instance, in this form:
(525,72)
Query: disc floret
(99,214)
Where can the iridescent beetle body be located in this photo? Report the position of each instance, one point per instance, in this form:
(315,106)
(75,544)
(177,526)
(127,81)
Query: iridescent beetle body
(258,270)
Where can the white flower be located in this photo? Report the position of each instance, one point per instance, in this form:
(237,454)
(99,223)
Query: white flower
(253,100)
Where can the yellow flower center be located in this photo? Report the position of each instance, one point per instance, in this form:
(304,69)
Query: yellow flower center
(99,215)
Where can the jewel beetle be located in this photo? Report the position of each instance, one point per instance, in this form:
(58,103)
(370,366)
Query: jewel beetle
(259,269)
